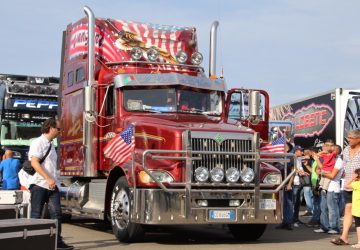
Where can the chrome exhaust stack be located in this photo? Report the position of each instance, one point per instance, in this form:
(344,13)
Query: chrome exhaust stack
(213,39)
(89,100)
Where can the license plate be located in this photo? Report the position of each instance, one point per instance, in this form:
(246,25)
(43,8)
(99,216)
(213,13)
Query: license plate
(222,215)
(268,204)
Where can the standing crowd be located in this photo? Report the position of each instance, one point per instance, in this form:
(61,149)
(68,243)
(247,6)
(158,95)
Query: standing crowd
(330,183)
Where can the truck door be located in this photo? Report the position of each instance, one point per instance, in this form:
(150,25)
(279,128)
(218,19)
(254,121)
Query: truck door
(237,107)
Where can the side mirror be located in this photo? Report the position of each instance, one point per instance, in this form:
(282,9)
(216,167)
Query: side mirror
(254,107)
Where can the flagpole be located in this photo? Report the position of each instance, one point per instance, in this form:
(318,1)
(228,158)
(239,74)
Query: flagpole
(135,203)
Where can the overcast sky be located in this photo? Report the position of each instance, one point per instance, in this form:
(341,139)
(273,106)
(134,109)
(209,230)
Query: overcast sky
(290,48)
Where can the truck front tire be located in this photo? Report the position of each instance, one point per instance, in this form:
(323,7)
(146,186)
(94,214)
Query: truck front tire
(247,232)
(120,213)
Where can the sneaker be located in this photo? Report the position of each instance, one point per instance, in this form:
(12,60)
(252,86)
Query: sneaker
(312,224)
(63,246)
(320,230)
(307,214)
(333,232)
(296,224)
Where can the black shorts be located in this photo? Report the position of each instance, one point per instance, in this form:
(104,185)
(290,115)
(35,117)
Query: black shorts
(348,196)
(357,221)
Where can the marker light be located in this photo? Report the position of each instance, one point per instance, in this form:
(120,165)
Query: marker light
(136,53)
(152,54)
(181,57)
(196,58)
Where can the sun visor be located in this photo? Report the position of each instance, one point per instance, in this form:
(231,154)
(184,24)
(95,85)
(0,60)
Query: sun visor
(169,79)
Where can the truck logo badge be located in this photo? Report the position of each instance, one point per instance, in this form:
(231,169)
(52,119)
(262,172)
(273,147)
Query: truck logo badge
(219,139)
(311,120)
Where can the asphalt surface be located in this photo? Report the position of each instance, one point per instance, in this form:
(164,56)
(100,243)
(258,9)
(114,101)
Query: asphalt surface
(94,234)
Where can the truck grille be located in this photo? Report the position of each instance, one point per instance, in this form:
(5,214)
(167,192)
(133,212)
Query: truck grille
(224,161)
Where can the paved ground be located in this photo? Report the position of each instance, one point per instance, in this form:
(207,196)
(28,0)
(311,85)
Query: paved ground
(92,234)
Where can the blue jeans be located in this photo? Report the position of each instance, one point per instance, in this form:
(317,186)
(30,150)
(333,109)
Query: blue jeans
(316,211)
(308,198)
(297,202)
(333,207)
(288,207)
(39,196)
(329,217)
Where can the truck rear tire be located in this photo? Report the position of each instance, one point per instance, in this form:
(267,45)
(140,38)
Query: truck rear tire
(247,232)
(120,213)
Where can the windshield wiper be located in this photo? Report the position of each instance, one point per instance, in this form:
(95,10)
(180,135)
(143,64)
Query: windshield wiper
(151,110)
(211,113)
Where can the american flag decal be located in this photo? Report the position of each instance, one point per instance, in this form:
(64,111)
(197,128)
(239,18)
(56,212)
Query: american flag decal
(115,38)
(277,146)
(120,148)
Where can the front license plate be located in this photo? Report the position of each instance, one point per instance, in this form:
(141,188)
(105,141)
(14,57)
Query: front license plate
(222,215)
(268,204)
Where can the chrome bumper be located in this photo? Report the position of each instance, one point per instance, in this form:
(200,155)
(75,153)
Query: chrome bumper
(154,206)
(175,203)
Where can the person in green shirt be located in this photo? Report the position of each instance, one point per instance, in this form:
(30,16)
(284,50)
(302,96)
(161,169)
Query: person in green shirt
(315,219)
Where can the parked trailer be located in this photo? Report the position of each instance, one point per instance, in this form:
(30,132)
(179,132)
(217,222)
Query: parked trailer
(329,115)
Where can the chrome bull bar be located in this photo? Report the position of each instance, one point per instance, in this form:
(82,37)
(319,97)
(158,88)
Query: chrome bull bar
(187,187)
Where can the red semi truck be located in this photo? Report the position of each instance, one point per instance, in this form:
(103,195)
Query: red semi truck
(195,155)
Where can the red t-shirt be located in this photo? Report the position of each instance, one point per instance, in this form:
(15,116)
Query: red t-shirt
(328,161)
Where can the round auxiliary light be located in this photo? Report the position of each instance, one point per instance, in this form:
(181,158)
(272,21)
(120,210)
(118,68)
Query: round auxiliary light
(136,53)
(15,88)
(201,174)
(48,91)
(247,175)
(152,54)
(38,90)
(196,58)
(217,174)
(232,175)
(181,57)
(27,89)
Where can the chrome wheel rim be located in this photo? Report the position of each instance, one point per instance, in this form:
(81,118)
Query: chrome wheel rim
(120,209)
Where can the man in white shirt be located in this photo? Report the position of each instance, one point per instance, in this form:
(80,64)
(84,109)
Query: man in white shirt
(330,209)
(44,183)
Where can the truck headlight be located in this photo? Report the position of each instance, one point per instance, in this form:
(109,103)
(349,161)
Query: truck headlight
(152,54)
(217,174)
(272,178)
(181,57)
(232,175)
(160,176)
(247,175)
(201,174)
(196,58)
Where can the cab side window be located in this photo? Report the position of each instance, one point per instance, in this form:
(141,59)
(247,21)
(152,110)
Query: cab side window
(70,78)
(80,75)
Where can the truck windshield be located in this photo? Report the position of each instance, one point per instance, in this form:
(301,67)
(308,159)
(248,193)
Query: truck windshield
(173,100)
(19,133)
